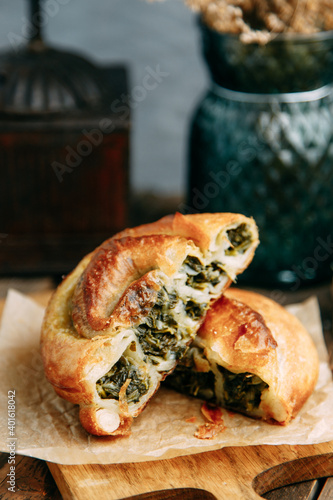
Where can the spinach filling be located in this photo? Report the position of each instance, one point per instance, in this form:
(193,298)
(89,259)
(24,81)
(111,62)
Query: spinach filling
(108,386)
(194,310)
(241,391)
(192,383)
(156,343)
(198,275)
(160,335)
(240,239)
(187,380)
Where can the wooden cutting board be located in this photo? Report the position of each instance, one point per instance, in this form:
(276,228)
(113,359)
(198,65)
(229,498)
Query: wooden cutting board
(235,473)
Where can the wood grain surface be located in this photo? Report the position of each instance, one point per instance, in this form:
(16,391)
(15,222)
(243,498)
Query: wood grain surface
(242,473)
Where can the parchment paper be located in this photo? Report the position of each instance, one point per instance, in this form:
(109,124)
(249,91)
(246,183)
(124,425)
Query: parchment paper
(48,427)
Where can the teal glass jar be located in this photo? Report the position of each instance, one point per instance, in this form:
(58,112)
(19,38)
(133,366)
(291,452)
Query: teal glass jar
(261,144)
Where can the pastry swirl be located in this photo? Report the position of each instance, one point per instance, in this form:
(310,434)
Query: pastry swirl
(119,323)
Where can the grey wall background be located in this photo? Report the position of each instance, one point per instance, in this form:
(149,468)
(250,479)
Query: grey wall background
(140,34)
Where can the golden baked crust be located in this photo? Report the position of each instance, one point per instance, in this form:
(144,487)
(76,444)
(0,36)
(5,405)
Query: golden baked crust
(116,326)
(247,333)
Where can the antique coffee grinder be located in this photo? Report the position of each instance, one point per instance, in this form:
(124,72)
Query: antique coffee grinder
(64,156)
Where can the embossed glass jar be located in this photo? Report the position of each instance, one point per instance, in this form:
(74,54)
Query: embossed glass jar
(261,143)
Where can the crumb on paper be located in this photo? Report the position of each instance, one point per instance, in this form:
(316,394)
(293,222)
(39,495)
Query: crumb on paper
(191,420)
(215,424)
(208,430)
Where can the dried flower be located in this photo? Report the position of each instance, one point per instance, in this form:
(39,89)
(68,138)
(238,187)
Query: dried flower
(257,20)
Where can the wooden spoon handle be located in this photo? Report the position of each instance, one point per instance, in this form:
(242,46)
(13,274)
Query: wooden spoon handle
(294,471)
(175,494)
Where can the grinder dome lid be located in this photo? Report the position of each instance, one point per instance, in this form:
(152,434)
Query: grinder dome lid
(38,80)
(42,80)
